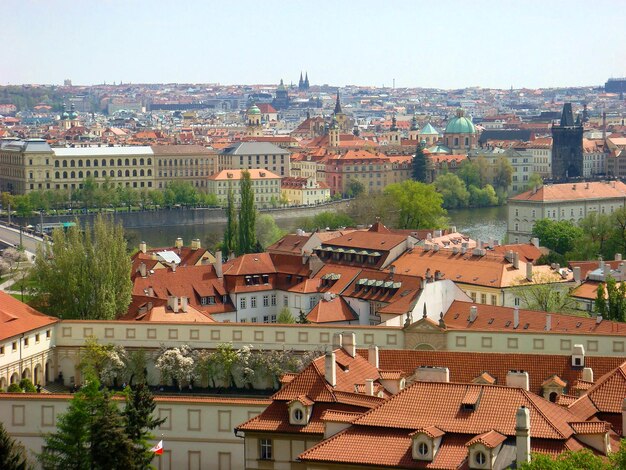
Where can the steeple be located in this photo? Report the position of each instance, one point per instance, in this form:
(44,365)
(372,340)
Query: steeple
(337,105)
(414,123)
(301,82)
(567,117)
(306,81)
(394,124)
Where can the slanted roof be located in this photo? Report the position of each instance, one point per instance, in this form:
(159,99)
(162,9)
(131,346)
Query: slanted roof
(332,311)
(16,317)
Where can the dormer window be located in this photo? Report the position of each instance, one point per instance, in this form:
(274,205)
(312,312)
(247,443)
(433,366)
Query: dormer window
(480,458)
(300,410)
(426,443)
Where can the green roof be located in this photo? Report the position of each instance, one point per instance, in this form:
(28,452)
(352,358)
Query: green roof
(429,130)
(254,109)
(460,124)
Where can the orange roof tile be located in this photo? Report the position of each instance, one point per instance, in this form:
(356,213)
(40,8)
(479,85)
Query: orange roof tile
(330,311)
(17,317)
(490,439)
(568,191)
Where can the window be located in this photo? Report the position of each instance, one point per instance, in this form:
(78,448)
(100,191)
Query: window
(47,334)
(253,302)
(265,449)
(298,414)
(312,302)
(242,303)
(37,338)
(14,346)
(483,298)
(516,301)
(285,301)
(1,350)
(480,458)
(266,300)
(494,299)
(422,449)
(273,300)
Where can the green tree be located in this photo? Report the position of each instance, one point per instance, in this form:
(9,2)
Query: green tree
(12,454)
(355,188)
(453,191)
(483,197)
(230,234)
(267,231)
(87,193)
(558,236)
(468,171)
(285,316)
(22,205)
(420,166)
(535,181)
(85,275)
(246,242)
(326,219)
(503,174)
(611,300)
(419,205)
(89,436)
(597,230)
(545,293)
(139,423)
(369,208)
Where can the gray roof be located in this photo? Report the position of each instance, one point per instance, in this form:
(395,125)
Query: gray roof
(101,151)
(254,148)
(26,146)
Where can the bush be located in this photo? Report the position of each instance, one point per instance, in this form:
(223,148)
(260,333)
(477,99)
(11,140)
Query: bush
(27,386)
(14,388)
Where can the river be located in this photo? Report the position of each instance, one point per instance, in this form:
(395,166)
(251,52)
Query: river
(483,223)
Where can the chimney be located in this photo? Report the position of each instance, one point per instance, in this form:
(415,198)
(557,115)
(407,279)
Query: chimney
(587,374)
(515,317)
(435,247)
(618,256)
(143,247)
(548,322)
(452,229)
(432,374)
(218,264)
(172,302)
(509,256)
(142,269)
(522,435)
(330,369)
(178,243)
(518,379)
(578,355)
(337,341)
(372,355)
(577,274)
(529,272)
(598,319)
(473,313)
(173,267)
(150,291)
(349,343)
(195,244)
(183,304)
(369,387)
(516,260)
(535,242)
(149,306)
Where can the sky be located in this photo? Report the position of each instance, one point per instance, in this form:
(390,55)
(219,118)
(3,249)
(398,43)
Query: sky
(434,43)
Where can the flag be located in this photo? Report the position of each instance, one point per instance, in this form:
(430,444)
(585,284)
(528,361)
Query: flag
(158,448)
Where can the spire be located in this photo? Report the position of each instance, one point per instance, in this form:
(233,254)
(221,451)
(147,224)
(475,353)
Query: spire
(337,105)
(301,82)
(306,81)
(567,116)
(394,124)
(414,123)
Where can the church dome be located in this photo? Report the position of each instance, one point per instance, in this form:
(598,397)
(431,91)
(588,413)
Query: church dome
(65,115)
(460,124)
(73,115)
(254,109)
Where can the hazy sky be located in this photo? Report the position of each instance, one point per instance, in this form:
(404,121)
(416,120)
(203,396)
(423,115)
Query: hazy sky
(434,43)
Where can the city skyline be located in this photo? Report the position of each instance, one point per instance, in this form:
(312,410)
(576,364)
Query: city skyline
(448,45)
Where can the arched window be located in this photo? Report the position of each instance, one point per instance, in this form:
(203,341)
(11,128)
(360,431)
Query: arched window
(80,174)
(104,162)
(72,164)
(141,172)
(456,141)
(422,448)
(56,175)
(72,175)
(134,162)
(149,161)
(80,163)
(119,173)
(119,162)
(56,164)
(95,174)
(88,163)
(88,174)
(64,163)
(134,172)
(95,162)
(65,174)
(111,173)
(149,172)
(141,160)
(127,173)
(111,162)
(467,141)
(127,162)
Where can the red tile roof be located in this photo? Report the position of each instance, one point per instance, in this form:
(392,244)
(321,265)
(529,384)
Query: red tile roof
(17,317)
(575,191)
(330,311)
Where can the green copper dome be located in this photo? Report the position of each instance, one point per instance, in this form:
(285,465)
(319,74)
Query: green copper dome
(460,124)
(254,110)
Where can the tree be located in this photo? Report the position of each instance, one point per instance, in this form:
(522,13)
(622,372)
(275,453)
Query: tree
(230,234)
(285,316)
(355,188)
(85,275)
(90,434)
(326,220)
(483,197)
(558,236)
(597,230)
(12,454)
(579,460)
(503,174)
(419,205)
(611,300)
(246,242)
(139,422)
(535,181)
(225,359)
(104,361)
(469,173)
(22,205)
(420,166)
(267,231)
(179,365)
(368,208)
(545,293)
(453,191)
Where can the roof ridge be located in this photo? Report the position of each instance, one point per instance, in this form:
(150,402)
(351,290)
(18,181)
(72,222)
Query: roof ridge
(527,394)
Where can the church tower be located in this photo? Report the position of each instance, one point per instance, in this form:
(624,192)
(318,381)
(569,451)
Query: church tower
(253,122)
(393,137)
(301,83)
(306,81)
(414,131)
(333,133)
(567,146)
(339,116)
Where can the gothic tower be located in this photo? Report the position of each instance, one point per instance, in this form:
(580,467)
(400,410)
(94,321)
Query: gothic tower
(333,133)
(567,146)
